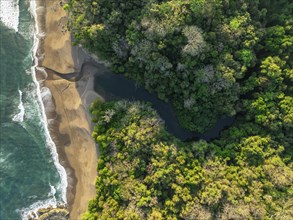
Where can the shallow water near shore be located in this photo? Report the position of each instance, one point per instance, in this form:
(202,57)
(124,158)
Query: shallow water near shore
(28,175)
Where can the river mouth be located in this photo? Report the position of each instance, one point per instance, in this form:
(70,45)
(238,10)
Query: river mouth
(111,86)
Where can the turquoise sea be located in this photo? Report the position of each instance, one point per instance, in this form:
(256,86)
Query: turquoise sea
(28,175)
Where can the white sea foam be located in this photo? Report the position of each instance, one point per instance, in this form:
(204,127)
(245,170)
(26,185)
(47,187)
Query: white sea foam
(44,95)
(19,116)
(47,100)
(52,192)
(33,209)
(42,74)
(3,159)
(41,35)
(42,69)
(9,13)
(26,31)
(49,140)
(51,121)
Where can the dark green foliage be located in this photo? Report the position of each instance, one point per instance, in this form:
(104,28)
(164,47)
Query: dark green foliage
(193,53)
(145,173)
(210,58)
(197,54)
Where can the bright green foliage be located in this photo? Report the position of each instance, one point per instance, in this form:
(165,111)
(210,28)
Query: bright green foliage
(209,58)
(145,173)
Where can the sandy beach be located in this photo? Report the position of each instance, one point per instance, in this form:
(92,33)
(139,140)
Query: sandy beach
(67,111)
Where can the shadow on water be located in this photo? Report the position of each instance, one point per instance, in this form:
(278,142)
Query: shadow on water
(115,87)
(111,86)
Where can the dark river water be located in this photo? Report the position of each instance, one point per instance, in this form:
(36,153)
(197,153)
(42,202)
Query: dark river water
(116,87)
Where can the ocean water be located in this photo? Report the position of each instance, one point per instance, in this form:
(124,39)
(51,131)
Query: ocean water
(30,175)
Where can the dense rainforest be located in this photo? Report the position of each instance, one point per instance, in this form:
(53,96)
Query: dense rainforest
(210,59)
(146,173)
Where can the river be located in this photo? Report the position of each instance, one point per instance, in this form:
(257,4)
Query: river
(113,86)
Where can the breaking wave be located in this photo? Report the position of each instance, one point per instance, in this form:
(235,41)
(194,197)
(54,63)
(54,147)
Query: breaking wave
(9,13)
(19,116)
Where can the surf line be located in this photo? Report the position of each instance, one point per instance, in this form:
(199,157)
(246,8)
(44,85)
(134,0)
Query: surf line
(60,169)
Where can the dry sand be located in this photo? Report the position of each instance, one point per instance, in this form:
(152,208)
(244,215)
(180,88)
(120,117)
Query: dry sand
(71,128)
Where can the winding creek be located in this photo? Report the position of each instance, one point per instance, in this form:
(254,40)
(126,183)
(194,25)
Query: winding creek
(111,86)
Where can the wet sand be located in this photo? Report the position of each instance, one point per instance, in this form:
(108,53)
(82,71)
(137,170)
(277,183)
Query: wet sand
(67,111)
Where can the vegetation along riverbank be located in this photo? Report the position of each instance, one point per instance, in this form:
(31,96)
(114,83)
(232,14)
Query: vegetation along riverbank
(209,58)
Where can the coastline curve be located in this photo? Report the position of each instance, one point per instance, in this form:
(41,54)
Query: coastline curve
(34,7)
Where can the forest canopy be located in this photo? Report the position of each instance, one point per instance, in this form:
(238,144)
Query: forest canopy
(203,56)
(210,59)
(146,173)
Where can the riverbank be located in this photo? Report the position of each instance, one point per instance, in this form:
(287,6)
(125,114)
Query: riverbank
(66,105)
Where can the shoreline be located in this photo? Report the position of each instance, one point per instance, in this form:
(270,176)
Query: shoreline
(66,104)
